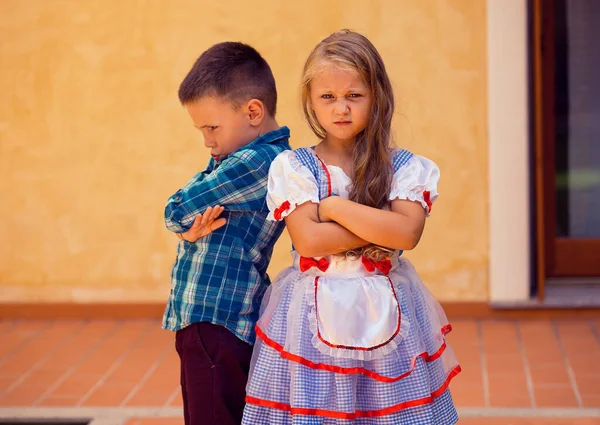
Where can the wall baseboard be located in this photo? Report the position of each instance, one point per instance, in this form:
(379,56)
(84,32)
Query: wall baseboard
(454,310)
(81,311)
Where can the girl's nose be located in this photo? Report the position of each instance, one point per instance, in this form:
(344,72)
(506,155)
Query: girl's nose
(341,107)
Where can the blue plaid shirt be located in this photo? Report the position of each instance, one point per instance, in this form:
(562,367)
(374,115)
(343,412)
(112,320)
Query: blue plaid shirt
(222,277)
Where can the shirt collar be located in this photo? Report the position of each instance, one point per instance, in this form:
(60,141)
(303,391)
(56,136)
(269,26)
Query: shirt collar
(270,137)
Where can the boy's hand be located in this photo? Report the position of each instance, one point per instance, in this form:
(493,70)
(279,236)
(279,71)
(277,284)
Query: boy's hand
(204,224)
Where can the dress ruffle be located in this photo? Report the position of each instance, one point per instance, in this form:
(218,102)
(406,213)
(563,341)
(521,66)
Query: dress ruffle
(295,377)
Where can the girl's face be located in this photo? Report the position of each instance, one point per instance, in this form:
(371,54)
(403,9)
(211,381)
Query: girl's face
(342,103)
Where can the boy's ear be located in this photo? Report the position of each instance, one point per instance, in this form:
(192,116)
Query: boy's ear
(255,111)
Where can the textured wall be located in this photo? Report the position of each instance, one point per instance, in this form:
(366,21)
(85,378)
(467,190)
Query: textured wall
(93,140)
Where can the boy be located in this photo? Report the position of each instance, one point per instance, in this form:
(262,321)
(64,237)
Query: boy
(220,273)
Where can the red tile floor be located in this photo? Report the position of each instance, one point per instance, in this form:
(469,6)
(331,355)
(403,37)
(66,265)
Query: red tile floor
(515,372)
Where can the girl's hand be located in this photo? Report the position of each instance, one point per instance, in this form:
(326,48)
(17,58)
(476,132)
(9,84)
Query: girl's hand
(324,208)
(204,224)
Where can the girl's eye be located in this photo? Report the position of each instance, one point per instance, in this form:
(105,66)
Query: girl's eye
(355,95)
(327,96)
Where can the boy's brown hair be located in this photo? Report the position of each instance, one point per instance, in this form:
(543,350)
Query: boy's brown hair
(233,71)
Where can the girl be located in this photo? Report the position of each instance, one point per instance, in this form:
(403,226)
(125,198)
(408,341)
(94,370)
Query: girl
(348,333)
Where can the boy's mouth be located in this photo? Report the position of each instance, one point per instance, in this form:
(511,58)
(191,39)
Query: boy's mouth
(215,157)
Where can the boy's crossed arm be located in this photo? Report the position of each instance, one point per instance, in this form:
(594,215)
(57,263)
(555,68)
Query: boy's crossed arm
(239,184)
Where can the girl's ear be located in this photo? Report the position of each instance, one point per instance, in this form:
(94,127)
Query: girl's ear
(255,111)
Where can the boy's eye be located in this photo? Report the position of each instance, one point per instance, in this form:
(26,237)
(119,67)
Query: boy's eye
(327,96)
(212,127)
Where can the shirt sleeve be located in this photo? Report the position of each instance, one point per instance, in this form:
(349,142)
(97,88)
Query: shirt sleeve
(417,181)
(238,184)
(290,184)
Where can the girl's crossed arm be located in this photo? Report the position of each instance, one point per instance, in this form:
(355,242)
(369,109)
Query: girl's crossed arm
(400,228)
(312,238)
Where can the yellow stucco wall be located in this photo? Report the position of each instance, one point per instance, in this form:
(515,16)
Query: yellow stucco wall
(93,139)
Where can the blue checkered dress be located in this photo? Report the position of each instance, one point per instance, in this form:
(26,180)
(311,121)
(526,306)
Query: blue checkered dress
(295,380)
(222,277)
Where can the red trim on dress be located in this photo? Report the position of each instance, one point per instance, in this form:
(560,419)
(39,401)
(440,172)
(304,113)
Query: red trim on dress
(282,208)
(347,370)
(359,413)
(329,192)
(346,347)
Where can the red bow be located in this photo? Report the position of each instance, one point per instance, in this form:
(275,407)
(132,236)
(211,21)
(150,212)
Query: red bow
(384,266)
(307,263)
(279,211)
(427,199)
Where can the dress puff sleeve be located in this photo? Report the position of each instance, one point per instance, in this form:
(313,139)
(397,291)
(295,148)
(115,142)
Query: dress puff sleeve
(417,180)
(290,184)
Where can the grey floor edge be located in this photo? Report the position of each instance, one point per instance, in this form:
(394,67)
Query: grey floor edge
(117,415)
(533,412)
(97,413)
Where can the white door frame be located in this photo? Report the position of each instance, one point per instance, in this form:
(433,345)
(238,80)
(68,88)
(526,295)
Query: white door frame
(508,156)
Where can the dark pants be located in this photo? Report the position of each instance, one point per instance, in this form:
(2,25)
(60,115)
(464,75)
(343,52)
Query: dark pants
(214,373)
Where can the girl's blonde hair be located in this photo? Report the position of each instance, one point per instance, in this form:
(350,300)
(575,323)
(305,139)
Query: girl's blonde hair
(372,171)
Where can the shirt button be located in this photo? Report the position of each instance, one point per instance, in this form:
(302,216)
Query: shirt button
(177,198)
